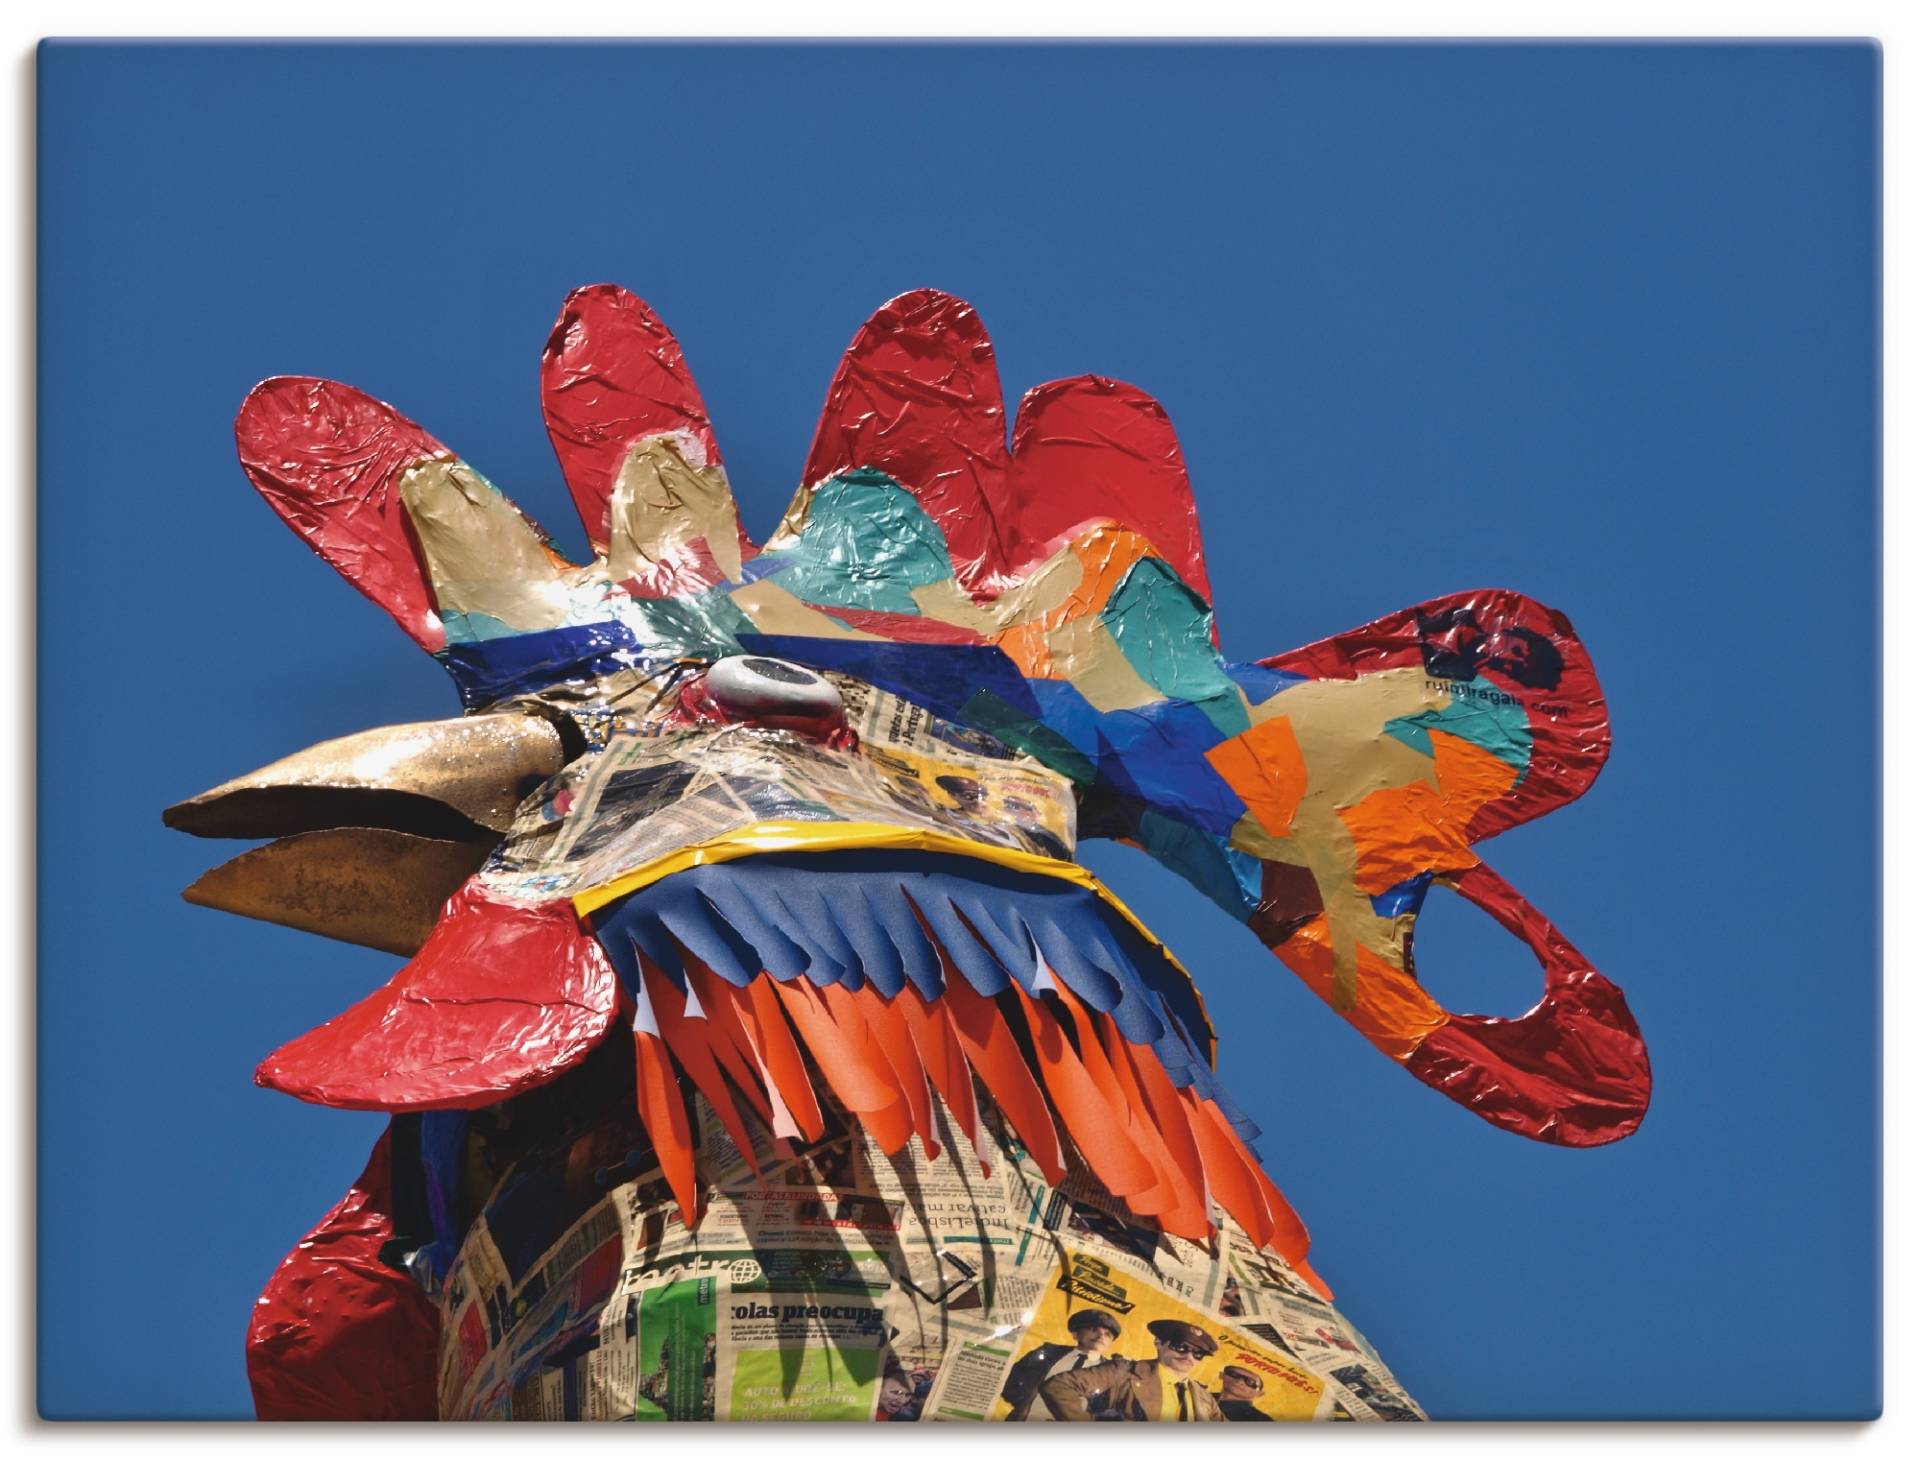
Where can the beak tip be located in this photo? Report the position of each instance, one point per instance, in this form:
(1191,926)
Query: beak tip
(191,815)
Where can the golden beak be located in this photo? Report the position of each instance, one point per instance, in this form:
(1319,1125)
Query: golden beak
(378,828)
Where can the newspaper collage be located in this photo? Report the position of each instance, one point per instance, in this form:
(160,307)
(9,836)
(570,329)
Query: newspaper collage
(648,794)
(844,1285)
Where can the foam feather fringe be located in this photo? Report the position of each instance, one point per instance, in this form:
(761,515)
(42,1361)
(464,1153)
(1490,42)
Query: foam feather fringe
(857,918)
(732,981)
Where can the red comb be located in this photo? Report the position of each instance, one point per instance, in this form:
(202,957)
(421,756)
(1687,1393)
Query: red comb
(917,395)
(326,457)
(612,374)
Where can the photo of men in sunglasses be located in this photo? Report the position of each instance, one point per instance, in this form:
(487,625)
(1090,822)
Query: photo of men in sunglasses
(1160,1389)
(1238,1389)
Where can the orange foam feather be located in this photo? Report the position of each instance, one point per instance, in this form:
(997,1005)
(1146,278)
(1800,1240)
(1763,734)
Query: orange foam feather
(989,1046)
(887,1026)
(1093,1115)
(690,1040)
(836,1035)
(773,1041)
(663,1110)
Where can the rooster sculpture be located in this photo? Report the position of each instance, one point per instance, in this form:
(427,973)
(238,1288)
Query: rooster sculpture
(762,1050)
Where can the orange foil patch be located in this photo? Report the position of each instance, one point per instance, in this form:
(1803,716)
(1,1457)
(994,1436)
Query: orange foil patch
(1403,830)
(1265,768)
(1390,1010)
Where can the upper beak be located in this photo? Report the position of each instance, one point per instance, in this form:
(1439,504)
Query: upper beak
(379,828)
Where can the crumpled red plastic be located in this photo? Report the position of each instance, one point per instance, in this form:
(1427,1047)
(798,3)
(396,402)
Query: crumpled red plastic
(338,1335)
(500,999)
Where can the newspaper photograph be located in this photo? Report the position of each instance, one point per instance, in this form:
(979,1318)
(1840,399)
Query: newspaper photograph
(1127,1328)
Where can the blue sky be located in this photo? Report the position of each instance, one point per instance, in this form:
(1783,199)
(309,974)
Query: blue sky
(1599,323)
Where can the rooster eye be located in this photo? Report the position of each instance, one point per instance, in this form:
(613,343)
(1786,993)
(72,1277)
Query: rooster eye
(771,686)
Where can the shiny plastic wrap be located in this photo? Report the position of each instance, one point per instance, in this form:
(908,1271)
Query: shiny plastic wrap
(604,818)
(791,829)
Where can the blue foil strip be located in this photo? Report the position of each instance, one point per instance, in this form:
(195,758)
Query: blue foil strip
(498,668)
